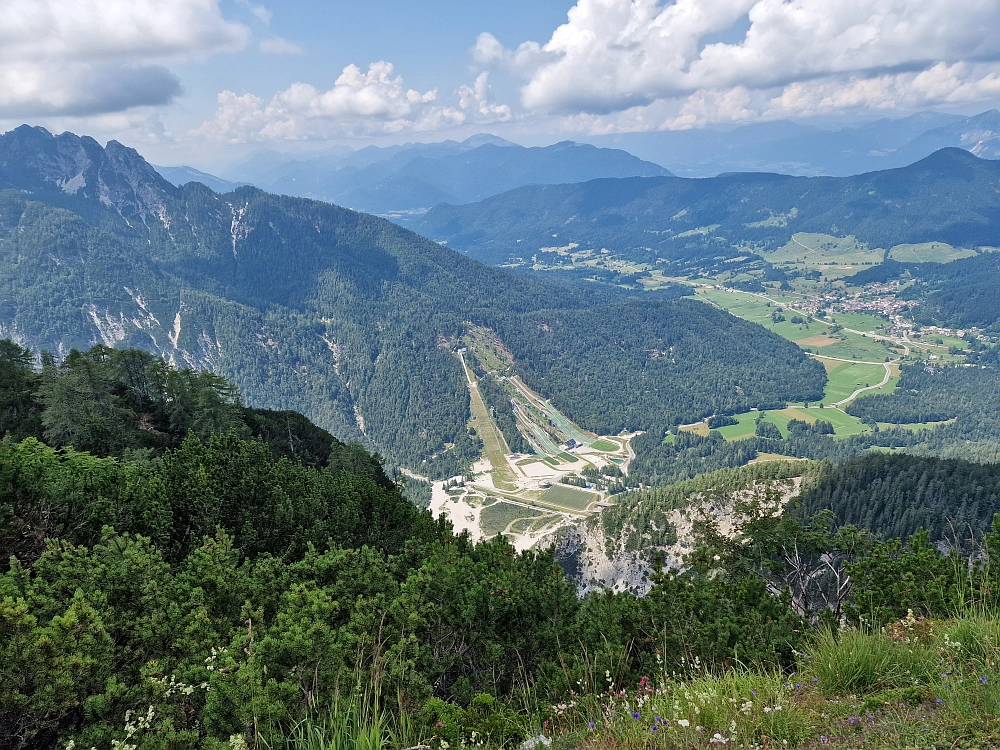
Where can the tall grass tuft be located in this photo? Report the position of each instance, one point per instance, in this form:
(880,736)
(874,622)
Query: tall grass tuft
(849,662)
(357,722)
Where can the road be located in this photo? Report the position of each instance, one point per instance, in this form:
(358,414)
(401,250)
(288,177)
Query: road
(849,399)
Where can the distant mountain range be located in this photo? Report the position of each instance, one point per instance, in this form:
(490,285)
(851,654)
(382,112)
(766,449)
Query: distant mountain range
(950,196)
(404,180)
(807,150)
(343,316)
(183,175)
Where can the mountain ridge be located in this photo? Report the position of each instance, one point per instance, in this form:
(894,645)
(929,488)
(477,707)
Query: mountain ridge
(345,317)
(951,196)
(404,179)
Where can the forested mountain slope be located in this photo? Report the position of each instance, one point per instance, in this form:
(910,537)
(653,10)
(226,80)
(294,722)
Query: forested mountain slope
(343,316)
(213,589)
(950,196)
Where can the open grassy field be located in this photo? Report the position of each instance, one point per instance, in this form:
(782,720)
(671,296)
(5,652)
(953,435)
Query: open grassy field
(494,519)
(833,256)
(844,424)
(745,429)
(929,252)
(913,426)
(698,429)
(568,497)
(859,321)
(845,378)
(604,445)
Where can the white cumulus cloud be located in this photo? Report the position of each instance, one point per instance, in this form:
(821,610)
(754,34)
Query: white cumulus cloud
(796,56)
(476,98)
(78,57)
(359,103)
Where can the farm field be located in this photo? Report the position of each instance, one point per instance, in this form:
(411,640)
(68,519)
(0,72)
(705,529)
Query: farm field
(745,429)
(815,336)
(844,378)
(859,321)
(929,252)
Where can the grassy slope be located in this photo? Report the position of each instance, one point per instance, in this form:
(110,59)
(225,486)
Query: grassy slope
(852,689)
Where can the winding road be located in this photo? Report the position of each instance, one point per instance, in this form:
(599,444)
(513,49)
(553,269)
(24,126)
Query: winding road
(849,399)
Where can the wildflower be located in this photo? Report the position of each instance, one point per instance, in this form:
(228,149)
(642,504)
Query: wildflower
(654,728)
(590,725)
(439,724)
(718,739)
(754,693)
(635,715)
(939,701)
(984,681)
(684,723)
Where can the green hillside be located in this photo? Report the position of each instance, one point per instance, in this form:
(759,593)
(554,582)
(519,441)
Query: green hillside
(950,197)
(342,316)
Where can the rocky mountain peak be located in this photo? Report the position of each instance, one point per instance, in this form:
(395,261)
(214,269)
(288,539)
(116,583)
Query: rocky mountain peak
(78,173)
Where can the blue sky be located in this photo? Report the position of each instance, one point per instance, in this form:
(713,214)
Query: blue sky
(428,43)
(209,80)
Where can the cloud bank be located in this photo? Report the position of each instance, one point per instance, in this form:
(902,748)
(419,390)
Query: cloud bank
(360,103)
(797,57)
(84,57)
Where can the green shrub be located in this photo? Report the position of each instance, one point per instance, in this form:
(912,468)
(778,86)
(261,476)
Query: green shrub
(485,721)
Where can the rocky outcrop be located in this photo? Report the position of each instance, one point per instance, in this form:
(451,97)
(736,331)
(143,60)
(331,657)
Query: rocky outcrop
(597,562)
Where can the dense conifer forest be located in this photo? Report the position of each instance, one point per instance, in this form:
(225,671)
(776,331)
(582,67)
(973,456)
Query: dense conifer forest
(184,571)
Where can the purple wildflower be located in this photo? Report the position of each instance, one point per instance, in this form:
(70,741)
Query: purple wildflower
(590,725)
(635,715)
